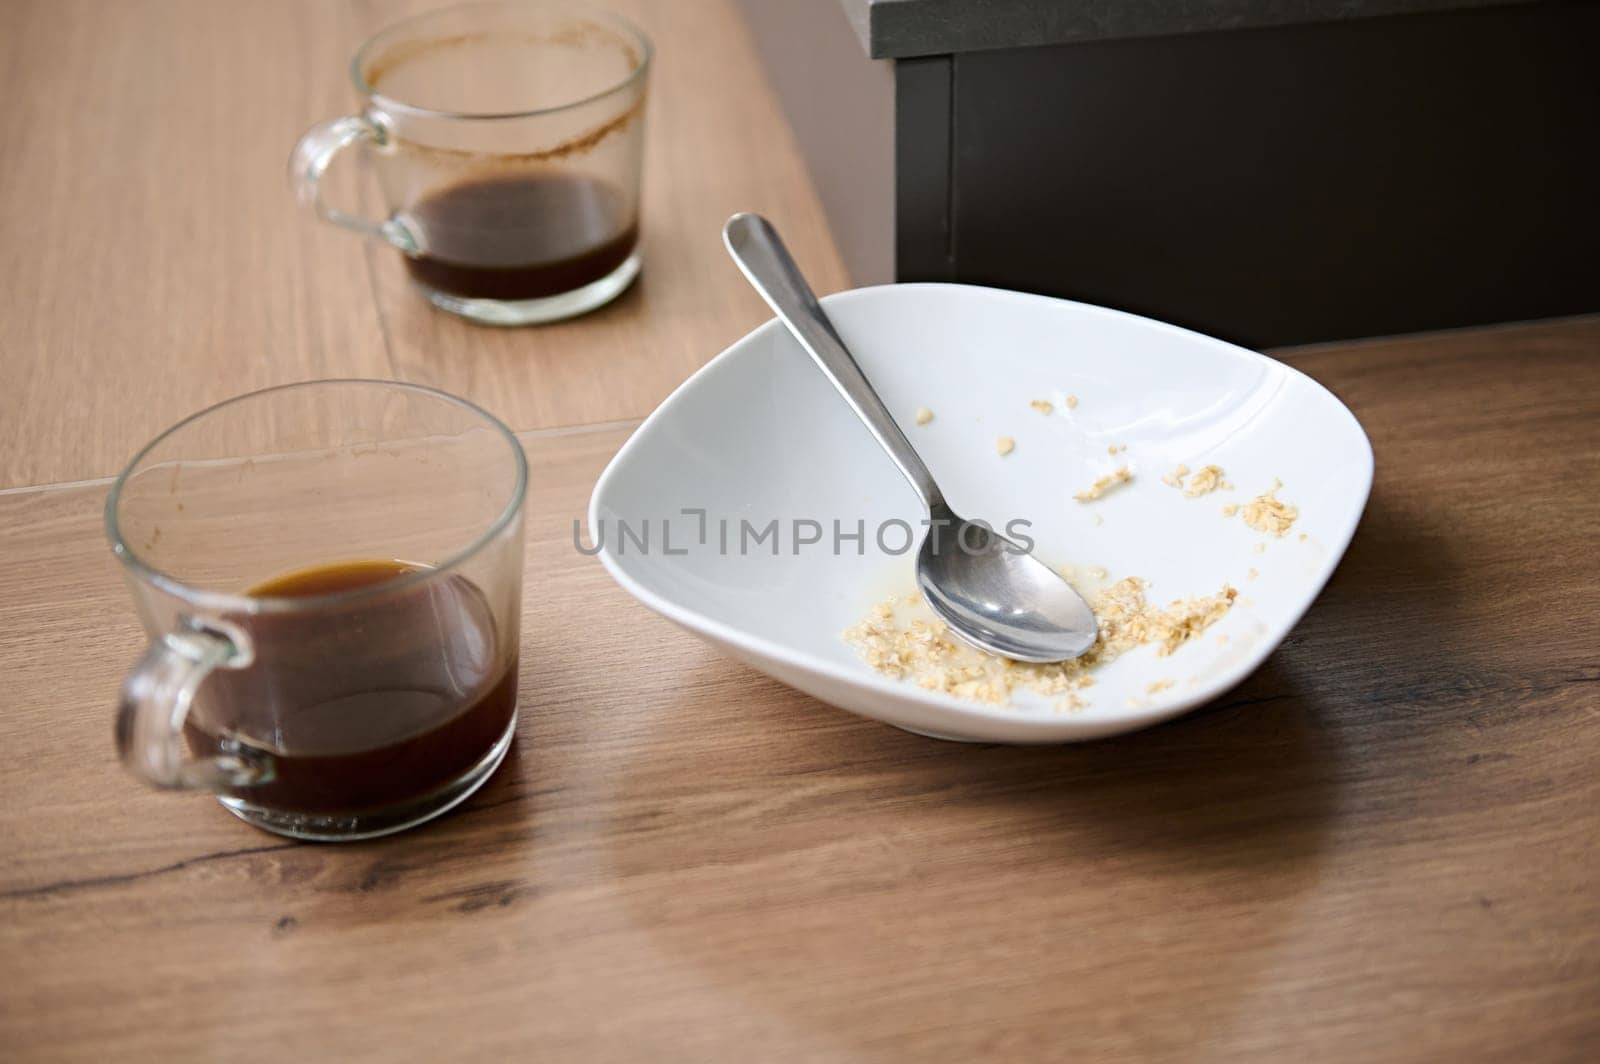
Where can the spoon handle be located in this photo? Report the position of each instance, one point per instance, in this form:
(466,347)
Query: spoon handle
(761,255)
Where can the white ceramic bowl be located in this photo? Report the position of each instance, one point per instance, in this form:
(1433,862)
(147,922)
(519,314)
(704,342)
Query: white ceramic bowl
(759,435)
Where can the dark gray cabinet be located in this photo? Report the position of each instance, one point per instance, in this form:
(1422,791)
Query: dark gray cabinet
(1266,172)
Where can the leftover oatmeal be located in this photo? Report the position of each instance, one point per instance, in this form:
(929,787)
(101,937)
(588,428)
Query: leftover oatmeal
(1208,479)
(1158,685)
(1072,402)
(1044,406)
(1230,509)
(1005,445)
(914,645)
(1205,480)
(1103,485)
(923,415)
(1267,513)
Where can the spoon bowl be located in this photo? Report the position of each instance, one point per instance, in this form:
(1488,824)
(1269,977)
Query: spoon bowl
(999,598)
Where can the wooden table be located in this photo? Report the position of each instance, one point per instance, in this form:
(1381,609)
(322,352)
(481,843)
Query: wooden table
(1385,845)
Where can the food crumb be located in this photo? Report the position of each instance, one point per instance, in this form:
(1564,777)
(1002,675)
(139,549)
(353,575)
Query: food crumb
(1207,480)
(1103,485)
(1174,479)
(1072,701)
(1267,513)
(1230,509)
(1252,574)
(923,415)
(1044,406)
(1303,537)
(1005,445)
(1158,685)
(1072,402)
(914,646)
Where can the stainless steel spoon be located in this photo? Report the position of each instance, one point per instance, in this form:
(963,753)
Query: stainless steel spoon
(989,591)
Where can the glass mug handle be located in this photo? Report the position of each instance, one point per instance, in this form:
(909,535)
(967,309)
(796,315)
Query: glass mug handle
(155,700)
(312,156)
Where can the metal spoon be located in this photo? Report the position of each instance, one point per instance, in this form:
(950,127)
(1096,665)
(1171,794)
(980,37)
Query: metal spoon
(990,592)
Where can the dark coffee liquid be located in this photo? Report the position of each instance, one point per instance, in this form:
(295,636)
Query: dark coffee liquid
(521,236)
(364,705)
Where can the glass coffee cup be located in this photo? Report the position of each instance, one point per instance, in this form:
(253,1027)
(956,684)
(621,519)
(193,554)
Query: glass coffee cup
(507,138)
(330,576)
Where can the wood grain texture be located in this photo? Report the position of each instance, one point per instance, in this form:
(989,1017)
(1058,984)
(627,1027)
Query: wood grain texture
(1384,845)
(155,261)
(167,266)
(715,143)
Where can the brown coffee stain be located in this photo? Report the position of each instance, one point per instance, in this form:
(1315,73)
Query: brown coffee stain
(406,51)
(579,145)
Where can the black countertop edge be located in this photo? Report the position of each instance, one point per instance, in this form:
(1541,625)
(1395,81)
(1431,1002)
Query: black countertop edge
(898,29)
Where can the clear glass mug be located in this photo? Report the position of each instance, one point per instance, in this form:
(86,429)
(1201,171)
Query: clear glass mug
(508,140)
(330,575)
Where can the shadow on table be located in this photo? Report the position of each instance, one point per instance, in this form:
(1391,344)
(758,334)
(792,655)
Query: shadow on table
(857,878)
(1408,582)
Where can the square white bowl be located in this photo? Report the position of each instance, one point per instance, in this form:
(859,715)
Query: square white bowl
(758,435)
